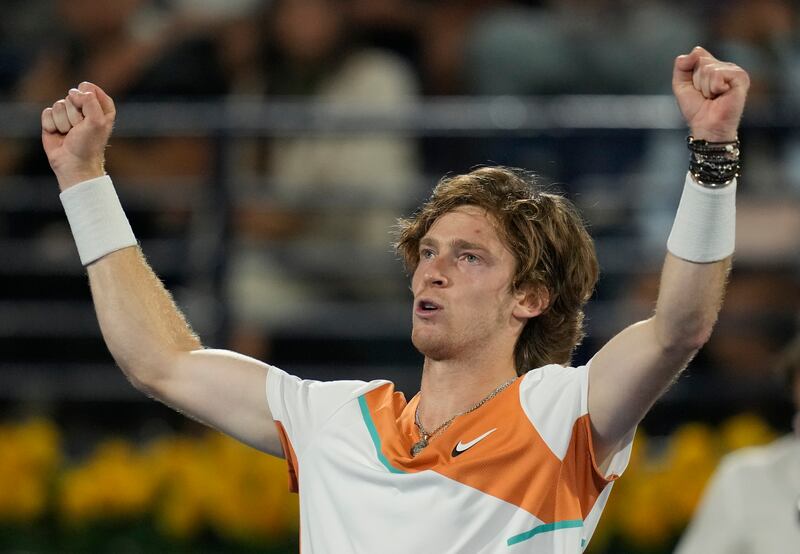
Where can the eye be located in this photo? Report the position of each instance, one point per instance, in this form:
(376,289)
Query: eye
(470,258)
(426,254)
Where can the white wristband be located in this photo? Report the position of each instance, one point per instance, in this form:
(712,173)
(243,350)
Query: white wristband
(705,225)
(98,223)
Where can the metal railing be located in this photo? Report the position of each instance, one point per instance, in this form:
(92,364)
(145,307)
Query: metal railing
(201,256)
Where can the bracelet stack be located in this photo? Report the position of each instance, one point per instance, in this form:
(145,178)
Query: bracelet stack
(713,164)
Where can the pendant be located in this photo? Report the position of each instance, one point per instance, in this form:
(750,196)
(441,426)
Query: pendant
(418,446)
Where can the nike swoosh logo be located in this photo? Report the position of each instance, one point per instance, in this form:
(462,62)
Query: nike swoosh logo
(463,447)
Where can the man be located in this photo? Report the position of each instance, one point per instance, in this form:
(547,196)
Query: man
(752,503)
(480,460)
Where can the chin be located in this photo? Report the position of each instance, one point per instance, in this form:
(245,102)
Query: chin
(431,345)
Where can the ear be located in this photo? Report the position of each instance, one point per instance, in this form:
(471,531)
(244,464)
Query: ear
(531,301)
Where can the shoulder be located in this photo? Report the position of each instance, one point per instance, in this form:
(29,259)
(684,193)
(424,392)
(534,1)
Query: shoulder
(555,371)
(284,388)
(757,459)
(554,398)
(556,382)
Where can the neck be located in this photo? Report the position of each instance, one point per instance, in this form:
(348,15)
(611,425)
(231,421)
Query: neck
(450,387)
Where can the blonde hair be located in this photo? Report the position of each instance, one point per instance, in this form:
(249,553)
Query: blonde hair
(550,243)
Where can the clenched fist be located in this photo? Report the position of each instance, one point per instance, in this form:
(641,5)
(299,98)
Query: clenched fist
(710,94)
(75,132)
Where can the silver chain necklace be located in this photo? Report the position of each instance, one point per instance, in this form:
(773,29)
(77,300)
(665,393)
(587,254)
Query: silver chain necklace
(426,437)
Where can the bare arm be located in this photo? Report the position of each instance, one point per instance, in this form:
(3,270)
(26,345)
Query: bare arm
(154,346)
(143,328)
(630,372)
(635,367)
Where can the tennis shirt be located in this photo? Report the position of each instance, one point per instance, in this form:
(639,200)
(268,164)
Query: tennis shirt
(751,504)
(516,475)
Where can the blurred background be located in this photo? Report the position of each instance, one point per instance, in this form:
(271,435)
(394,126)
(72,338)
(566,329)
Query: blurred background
(263,150)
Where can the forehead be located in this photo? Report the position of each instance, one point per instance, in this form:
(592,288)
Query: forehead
(470,223)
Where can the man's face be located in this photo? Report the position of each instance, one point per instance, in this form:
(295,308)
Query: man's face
(462,297)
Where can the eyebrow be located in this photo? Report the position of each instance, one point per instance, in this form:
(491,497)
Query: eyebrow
(460,244)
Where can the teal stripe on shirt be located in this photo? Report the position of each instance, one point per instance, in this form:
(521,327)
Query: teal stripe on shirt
(373,432)
(566,524)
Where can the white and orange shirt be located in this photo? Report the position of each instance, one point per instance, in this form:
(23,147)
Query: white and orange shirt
(516,475)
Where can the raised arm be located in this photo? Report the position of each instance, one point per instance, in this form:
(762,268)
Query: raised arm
(630,372)
(144,330)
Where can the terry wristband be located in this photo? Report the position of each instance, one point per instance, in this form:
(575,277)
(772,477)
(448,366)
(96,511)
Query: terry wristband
(98,223)
(705,225)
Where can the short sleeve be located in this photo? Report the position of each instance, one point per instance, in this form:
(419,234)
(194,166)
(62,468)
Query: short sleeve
(302,406)
(556,399)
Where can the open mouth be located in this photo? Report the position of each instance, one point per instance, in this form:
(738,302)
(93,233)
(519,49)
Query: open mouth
(427,307)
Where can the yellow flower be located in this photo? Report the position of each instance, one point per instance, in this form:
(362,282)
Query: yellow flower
(250,499)
(180,512)
(113,483)
(692,457)
(29,453)
(41,442)
(745,430)
(645,518)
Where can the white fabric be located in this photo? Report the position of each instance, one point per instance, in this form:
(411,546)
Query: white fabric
(705,224)
(304,406)
(351,502)
(750,504)
(97,220)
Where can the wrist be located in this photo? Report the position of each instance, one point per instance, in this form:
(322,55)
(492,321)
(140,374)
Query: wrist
(68,177)
(97,219)
(713,136)
(713,164)
(704,230)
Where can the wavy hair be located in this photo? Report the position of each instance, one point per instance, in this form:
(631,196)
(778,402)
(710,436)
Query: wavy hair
(549,241)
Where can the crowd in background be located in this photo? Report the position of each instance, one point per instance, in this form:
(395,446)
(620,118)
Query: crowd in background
(385,53)
(191,48)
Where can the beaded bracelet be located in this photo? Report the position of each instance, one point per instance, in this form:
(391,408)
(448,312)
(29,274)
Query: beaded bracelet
(714,164)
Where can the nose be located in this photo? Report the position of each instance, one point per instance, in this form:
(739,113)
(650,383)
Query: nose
(435,273)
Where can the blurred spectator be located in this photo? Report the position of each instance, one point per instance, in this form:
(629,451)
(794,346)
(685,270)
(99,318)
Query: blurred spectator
(389,25)
(577,47)
(311,56)
(339,195)
(762,35)
(136,51)
(757,318)
(134,48)
(759,35)
(444,32)
(230,24)
(22,27)
(752,504)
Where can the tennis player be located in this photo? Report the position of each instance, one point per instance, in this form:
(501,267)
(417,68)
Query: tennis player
(507,448)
